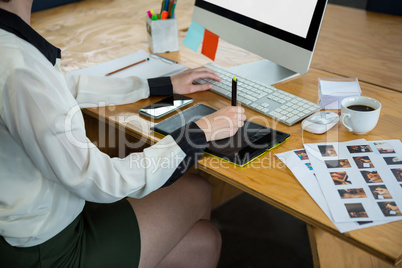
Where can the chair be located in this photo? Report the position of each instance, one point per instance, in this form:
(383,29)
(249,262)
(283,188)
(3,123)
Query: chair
(393,7)
(45,4)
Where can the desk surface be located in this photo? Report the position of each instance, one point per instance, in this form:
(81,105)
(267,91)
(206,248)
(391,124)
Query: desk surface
(352,42)
(357,43)
(91,32)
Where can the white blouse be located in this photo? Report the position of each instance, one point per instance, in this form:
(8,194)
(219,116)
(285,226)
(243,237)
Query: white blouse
(48,167)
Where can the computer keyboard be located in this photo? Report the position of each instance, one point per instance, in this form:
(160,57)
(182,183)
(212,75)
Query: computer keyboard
(268,100)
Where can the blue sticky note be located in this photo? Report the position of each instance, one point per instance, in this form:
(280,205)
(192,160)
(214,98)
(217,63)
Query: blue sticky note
(194,36)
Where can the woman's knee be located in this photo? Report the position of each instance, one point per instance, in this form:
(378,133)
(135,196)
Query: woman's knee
(209,243)
(215,239)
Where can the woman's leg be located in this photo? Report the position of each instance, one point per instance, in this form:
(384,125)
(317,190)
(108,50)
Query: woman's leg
(200,247)
(174,225)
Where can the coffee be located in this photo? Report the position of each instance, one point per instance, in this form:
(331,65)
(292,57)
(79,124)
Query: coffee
(361,108)
(360,114)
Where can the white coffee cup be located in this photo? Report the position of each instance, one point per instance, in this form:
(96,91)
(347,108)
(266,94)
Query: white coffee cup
(357,119)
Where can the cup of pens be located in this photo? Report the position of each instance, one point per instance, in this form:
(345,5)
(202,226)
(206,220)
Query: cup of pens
(162,28)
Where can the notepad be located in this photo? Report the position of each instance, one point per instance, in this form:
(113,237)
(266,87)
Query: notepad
(251,140)
(156,66)
(333,90)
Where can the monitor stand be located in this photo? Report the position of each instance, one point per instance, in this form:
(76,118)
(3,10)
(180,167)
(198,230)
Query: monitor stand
(264,71)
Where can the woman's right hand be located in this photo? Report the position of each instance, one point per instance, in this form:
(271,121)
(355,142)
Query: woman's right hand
(223,123)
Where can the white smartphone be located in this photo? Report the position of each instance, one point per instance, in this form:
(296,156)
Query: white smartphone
(166,106)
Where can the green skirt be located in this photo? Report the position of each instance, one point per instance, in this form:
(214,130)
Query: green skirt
(103,235)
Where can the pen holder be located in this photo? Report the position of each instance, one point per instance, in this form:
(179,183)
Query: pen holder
(162,35)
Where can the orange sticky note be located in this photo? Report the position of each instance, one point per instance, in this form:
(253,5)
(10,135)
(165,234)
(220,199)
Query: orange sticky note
(210,44)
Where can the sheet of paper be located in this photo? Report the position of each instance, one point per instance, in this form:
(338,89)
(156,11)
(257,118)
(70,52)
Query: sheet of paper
(210,44)
(298,162)
(154,67)
(339,88)
(360,181)
(194,36)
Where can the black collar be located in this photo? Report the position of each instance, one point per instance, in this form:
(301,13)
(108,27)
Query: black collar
(15,25)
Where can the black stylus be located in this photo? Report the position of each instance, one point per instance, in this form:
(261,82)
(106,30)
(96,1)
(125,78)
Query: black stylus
(234,91)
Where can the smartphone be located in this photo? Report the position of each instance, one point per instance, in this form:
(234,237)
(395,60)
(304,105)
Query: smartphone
(166,106)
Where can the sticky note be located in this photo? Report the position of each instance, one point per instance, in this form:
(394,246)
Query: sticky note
(210,44)
(194,36)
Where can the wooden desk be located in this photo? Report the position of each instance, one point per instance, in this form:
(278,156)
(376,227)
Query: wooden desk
(357,43)
(91,32)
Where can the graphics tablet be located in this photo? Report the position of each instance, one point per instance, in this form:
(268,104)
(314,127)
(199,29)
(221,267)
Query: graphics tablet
(251,140)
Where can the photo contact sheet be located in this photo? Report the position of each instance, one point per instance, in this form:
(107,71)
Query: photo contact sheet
(357,183)
(361,179)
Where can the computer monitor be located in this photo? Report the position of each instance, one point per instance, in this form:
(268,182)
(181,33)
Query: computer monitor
(284,32)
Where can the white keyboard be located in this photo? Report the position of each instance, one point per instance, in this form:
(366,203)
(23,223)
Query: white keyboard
(268,100)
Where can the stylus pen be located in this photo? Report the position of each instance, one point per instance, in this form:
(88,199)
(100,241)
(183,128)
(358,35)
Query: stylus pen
(234,91)
(131,65)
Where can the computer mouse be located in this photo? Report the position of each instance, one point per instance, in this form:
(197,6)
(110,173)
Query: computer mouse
(320,122)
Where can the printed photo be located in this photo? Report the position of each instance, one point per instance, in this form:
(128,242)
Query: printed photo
(356,210)
(340,178)
(337,163)
(397,173)
(371,176)
(353,149)
(327,150)
(309,166)
(364,222)
(384,148)
(352,193)
(363,162)
(389,209)
(393,160)
(302,154)
(380,192)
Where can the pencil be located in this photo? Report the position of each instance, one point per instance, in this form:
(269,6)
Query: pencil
(173,8)
(170,9)
(162,8)
(234,91)
(131,65)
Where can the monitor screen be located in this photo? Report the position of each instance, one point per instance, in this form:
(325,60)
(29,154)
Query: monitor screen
(284,31)
(288,15)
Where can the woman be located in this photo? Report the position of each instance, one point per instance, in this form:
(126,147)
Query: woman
(62,201)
